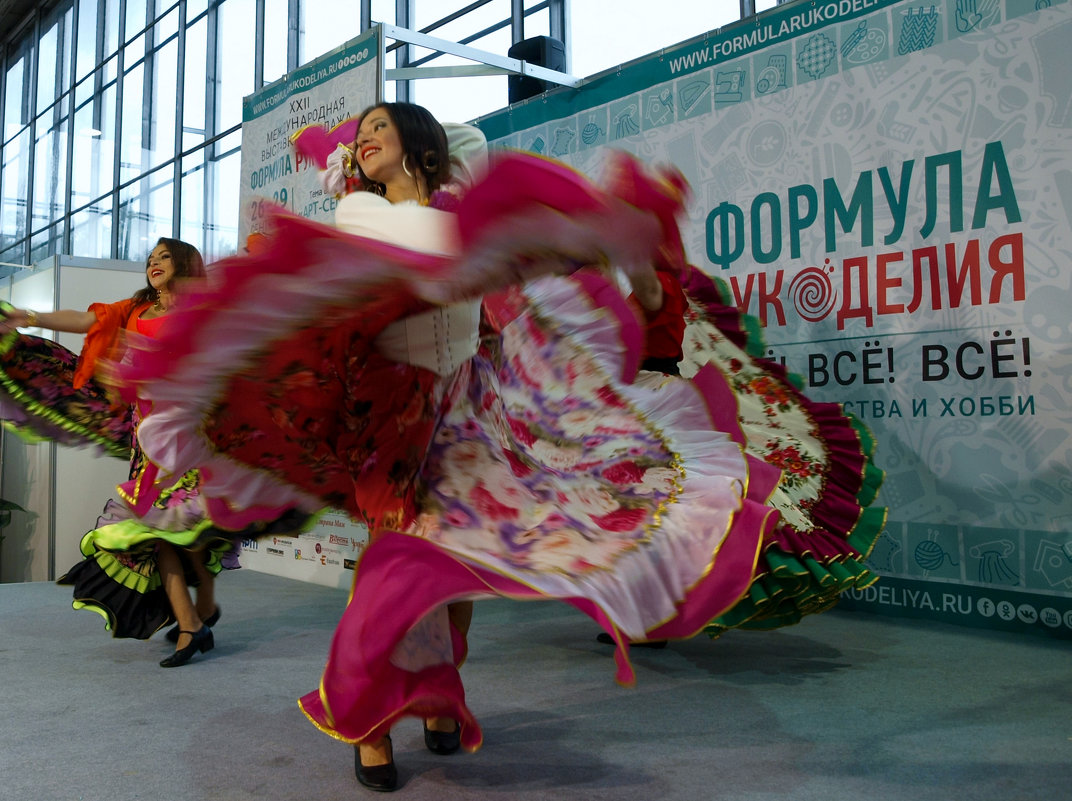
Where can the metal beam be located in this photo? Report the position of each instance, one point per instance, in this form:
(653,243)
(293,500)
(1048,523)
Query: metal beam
(510,66)
(455,71)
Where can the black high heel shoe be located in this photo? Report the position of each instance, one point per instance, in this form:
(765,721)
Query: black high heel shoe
(210,621)
(382,778)
(200,640)
(443,742)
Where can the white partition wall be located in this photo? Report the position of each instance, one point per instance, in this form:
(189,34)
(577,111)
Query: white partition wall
(62,489)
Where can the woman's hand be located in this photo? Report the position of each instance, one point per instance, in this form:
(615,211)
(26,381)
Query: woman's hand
(16,318)
(338,169)
(647,288)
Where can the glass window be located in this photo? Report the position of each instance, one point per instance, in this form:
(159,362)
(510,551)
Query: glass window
(17,94)
(326,24)
(462,99)
(135,18)
(164,88)
(11,255)
(132,138)
(145,212)
(108,26)
(87,56)
(234,60)
(91,230)
(46,243)
(195,8)
(169,25)
(384,11)
(66,80)
(275,41)
(50,176)
(221,213)
(84,90)
(194,85)
(94,148)
(16,188)
(592,51)
(192,205)
(48,54)
(426,14)
(54,68)
(111,69)
(136,49)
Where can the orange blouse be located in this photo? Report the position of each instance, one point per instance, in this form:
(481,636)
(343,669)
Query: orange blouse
(102,339)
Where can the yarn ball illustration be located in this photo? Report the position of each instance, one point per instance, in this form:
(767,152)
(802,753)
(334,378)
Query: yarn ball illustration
(929,555)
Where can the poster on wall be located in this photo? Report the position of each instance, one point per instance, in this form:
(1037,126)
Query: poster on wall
(326,554)
(887,185)
(325,92)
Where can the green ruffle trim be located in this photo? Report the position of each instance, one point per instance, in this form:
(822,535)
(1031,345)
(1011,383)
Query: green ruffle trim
(789,587)
(872,520)
(109,622)
(792,588)
(129,535)
(873,476)
(23,433)
(124,575)
(120,450)
(754,344)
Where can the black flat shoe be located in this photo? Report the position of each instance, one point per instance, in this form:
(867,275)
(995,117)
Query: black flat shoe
(210,621)
(443,742)
(201,640)
(606,639)
(381,778)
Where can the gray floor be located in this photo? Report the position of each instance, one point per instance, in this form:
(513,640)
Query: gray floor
(843,706)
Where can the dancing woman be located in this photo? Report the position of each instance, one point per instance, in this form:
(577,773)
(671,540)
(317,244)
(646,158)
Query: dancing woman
(141,558)
(517,459)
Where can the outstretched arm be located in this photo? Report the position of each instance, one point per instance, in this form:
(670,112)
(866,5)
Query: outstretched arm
(69,320)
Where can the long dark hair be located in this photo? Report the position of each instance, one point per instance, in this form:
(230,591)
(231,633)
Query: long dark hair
(186,260)
(424,144)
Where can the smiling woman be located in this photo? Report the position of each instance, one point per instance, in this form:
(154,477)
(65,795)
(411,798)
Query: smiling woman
(142,556)
(160,271)
(395,171)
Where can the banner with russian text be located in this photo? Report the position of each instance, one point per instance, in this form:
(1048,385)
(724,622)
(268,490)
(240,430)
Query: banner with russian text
(325,92)
(887,185)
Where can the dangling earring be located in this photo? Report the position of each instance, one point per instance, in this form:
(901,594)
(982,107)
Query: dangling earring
(420,195)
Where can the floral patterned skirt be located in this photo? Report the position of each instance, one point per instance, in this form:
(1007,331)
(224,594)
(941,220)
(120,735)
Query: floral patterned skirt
(39,402)
(541,469)
(827,524)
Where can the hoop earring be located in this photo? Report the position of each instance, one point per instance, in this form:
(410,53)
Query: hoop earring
(405,168)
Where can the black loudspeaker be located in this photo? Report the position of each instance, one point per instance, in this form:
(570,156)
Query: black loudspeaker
(541,51)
